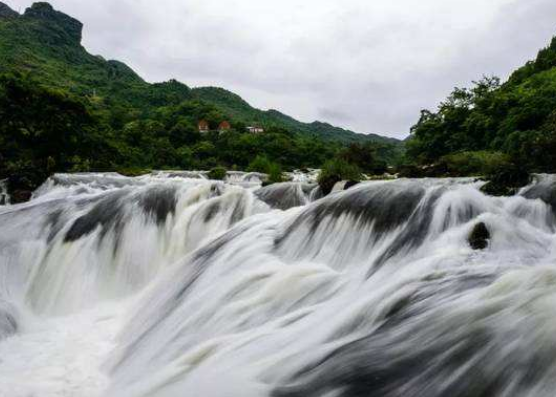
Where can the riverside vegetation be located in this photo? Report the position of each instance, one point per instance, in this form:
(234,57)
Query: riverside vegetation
(65,110)
(493,127)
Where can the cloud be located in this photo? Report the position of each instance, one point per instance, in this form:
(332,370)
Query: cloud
(365,65)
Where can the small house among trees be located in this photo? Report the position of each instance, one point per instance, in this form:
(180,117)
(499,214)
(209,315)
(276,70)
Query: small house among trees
(224,126)
(203,126)
(255,129)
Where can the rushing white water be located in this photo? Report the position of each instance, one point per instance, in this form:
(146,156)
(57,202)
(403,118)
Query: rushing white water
(4,195)
(174,285)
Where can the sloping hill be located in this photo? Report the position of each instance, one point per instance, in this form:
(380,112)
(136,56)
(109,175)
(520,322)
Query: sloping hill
(234,105)
(47,44)
(516,118)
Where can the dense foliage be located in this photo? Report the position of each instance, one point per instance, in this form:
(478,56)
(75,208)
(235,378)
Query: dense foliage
(514,121)
(336,170)
(52,130)
(264,165)
(63,109)
(47,44)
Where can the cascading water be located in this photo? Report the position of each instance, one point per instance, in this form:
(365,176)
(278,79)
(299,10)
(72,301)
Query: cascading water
(4,195)
(174,285)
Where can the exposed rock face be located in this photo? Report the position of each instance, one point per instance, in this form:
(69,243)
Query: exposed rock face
(350,184)
(44,11)
(6,12)
(544,189)
(21,196)
(479,237)
(327,184)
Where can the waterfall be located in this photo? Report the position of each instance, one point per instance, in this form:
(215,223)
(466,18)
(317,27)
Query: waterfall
(4,195)
(171,284)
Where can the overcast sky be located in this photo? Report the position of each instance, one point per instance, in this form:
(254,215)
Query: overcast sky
(367,65)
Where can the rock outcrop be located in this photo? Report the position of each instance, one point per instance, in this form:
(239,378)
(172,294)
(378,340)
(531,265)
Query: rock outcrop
(479,237)
(71,27)
(507,181)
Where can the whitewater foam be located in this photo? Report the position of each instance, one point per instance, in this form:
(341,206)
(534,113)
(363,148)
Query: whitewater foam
(171,284)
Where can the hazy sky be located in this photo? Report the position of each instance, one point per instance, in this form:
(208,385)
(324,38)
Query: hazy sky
(368,65)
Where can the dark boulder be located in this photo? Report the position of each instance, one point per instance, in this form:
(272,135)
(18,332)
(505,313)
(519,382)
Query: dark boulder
(479,237)
(22,184)
(20,196)
(327,183)
(350,184)
(507,181)
(544,189)
(436,170)
(410,171)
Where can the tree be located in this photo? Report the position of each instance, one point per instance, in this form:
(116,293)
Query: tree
(46,130)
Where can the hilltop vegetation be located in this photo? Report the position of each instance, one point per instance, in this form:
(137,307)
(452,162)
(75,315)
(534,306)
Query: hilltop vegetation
(47,44)
(63,109)
(494,125)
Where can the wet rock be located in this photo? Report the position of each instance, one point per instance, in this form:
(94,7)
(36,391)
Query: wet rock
(507,181)
(20,196)
(544,189)
(479,237)
(327,184)
(350,184)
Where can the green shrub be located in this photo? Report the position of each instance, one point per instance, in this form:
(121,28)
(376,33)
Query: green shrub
(475,163)
(217,173)
(264,165)
(132,171)
(337,170)
(260,164)
(410,171)
(275,173)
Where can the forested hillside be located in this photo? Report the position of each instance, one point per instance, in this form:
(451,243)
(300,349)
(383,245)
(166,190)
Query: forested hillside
(47,44)
(493,123)
(63,109)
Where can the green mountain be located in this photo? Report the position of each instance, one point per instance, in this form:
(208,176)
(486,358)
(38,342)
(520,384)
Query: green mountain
(237,107)
(46,44)
(65,110)
(515,120)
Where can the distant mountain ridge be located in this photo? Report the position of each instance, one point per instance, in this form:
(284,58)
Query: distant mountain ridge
(47,44)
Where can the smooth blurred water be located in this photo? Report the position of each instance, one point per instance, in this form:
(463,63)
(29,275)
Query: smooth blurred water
(171,284)
(4,195)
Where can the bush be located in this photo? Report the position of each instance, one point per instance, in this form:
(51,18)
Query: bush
(260,164)
(217,173)
(475,163)
(264,165)
(410,171)
(132,171)
(334,171)
(275,174)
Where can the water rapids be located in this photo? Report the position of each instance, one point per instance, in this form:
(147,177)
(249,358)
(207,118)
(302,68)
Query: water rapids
(174,285)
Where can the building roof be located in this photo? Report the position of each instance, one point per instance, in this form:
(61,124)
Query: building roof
(225,125)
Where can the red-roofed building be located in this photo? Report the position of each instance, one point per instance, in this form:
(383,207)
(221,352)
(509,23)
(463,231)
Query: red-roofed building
(224,126)
(203,126)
